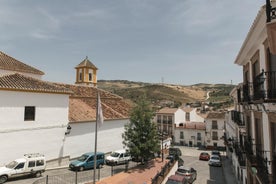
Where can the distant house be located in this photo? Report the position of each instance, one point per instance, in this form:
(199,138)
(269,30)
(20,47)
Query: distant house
(215,127)
(166,119)
(190,134)
(35,114)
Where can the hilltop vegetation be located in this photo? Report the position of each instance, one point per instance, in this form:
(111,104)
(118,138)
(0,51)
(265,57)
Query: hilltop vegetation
(170,95)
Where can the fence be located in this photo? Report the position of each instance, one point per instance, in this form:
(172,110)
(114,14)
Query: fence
(159,177)
(68,178)
(84,176)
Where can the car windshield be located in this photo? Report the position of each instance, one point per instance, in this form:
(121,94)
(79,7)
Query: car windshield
(173,182)
(115,154)
(12,164)
(183,170)
(215,158)
(204,154)
(83,158)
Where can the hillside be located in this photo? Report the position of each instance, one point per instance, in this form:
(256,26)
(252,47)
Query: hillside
(170,95)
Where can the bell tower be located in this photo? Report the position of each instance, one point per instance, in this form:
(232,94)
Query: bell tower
(86,73)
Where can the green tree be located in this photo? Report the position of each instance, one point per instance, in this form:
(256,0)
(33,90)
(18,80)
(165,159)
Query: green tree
(140,135)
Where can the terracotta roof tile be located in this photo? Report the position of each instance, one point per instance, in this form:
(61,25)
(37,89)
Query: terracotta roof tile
(167,110)
(216,115)
(9,63)
(82,104)
(187,109)
(86,63)
(23,83)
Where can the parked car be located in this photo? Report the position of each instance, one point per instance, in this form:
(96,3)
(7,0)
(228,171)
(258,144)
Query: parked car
(32,164)
(189,173)
(175,151)
(204,156)
(118,157)
(215,161)
(177,179)
(86,161)
(215,152)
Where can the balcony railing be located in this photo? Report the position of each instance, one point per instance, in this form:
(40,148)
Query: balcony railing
(263,88)
(215,138)
(270,12)
(259,160)
(237,117)
(240,152)
(214,127)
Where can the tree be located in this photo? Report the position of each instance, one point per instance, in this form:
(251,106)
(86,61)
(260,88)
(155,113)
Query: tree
(140,135)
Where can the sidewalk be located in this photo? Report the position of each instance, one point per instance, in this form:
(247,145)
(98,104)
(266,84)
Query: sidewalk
(228,172)
(142,174)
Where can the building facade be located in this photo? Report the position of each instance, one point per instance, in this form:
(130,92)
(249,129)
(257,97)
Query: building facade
(256,97)
(215,128)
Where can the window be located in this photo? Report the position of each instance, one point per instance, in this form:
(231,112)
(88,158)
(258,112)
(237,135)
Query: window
(169,119)
(214,124)
(39,162)
(158,119)
(29,113)
(198,136)
(165,119)
(90,76)
(80,76)
(181,135)
(20,165)
(215,136)
(187,116)
(31,164)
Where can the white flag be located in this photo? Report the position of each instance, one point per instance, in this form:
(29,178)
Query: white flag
(100,118)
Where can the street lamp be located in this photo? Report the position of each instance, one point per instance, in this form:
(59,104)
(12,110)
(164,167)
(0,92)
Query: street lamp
(161,134)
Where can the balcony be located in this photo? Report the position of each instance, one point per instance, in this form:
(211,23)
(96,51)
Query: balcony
(262,89)
(215,138)
(237,117)
(271,26)
(240,153)
(258,160)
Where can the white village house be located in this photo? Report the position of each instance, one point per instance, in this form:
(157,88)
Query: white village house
(35,114)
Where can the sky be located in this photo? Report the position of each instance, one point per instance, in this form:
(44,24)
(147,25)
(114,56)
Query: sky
(181,42)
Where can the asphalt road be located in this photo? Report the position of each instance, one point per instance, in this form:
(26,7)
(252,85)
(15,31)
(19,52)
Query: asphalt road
(205,173)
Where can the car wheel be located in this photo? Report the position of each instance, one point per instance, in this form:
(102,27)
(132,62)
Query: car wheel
(3,179)
(81,168)
(37,174)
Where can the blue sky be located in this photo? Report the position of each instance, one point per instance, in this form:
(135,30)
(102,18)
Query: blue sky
(174,41)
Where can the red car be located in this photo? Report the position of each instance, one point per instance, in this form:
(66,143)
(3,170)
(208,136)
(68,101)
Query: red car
(204,156)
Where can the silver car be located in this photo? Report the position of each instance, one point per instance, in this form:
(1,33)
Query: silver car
(215,161)
(189,173)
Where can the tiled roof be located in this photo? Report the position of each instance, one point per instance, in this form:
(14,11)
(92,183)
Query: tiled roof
(167,110)
(9,63)
(86,63)
(21,82)
(193,125)
(187,109)
(82,104)
(216,115)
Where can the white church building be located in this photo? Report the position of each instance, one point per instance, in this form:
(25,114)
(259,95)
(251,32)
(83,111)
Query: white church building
(35,114)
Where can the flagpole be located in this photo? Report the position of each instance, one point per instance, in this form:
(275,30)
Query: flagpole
(96,132)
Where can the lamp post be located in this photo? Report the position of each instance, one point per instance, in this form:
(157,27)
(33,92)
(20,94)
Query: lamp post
(161,134)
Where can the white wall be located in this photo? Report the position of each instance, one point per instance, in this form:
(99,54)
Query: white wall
(44,135)
(188,133)
(82,137)
(51,110)
(46,141)
(179,116)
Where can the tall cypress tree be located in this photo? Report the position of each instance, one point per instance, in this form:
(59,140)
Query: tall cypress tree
(140,135)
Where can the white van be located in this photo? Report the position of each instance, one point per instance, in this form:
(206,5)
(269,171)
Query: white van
(32,164)
(118,157)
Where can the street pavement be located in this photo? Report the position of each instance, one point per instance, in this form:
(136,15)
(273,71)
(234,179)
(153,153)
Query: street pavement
(227,170)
